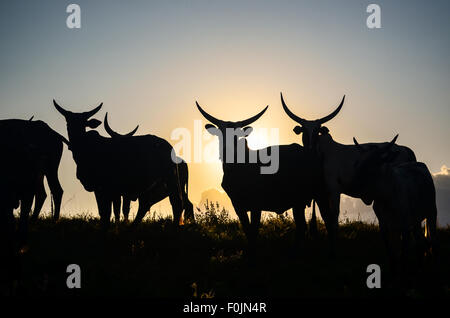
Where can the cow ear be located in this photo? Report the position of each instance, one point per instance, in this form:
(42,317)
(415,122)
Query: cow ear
(298,130)
(323,130)
(247,131)
(213,130)
(93,123)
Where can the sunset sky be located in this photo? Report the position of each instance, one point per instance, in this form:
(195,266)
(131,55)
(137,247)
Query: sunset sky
(149,61)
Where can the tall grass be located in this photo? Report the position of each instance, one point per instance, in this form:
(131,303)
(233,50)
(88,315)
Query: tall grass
(209,259)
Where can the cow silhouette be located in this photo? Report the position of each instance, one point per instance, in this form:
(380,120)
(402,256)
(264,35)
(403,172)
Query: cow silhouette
(49,144)
(403,195)
(159,193)
(297,181)
(110,167)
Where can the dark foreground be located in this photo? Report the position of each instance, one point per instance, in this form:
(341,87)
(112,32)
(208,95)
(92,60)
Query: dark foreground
(208,260)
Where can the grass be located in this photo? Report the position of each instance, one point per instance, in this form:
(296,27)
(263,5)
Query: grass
(208,259)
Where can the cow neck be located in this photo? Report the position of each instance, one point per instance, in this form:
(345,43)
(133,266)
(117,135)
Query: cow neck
(234,165)
(80,141)
(327,145)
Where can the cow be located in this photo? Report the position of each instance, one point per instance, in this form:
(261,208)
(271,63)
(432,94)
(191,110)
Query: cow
(21,172)
(338,161)
(132,166)
(49,144)
(403,196)
(120,199)
(296,182)
(159,193)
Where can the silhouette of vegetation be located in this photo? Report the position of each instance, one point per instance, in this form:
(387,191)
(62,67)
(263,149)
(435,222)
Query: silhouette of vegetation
(208,259)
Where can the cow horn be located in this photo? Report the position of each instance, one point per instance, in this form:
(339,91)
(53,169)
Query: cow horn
(392,142)
(356,143)
(61,110)
(212,119)
(112,133)
(250,120)
(333,114)
(294,117)
(91,113)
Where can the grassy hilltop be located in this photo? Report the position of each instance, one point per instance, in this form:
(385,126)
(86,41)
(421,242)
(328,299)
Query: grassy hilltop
(208,259)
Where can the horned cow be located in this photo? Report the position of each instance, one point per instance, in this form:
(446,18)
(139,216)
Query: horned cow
(132,166)
(338,161)
(403,196)
(49,144)
(297,180)
(158,193)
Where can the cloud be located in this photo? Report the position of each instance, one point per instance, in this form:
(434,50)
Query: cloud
(442,185)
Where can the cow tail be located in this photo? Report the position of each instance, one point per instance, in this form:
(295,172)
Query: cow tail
(180,189)
(313,221)
(186,187)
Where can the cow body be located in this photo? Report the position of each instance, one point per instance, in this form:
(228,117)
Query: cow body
(157,193)
(296,182)
(290,186)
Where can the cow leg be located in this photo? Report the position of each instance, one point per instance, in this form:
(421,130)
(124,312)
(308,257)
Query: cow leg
(243,218)
(177,208)
(39,200)
(188,210)
(255,223)
(116,208)
(25,207)
(104,208)
(300,225)
(144,206)
(420,245)
(56,190)
(405,241)
(9,266)
(331,219)
(125,208)
(388,243)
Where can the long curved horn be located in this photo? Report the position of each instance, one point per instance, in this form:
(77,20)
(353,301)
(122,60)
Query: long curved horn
(92,112)
(131,133)
(294,117)
(250,120)
(331,116)
(112,133)
(212,119)
(61,110)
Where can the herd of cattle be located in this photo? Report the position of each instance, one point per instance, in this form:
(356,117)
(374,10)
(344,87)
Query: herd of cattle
(121,168)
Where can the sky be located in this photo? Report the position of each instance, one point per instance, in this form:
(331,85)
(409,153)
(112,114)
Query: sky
(149,61)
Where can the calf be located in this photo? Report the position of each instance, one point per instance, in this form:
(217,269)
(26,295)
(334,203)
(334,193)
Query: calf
(403,196)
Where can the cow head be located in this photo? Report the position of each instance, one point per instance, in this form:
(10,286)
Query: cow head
(114,134)
(78,122)
(368,167)
(311,128)
(230,133)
